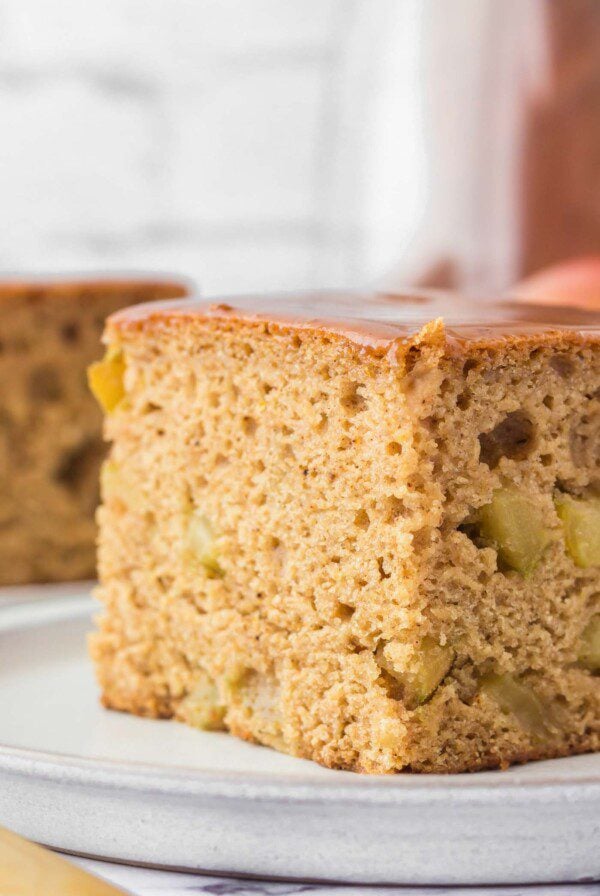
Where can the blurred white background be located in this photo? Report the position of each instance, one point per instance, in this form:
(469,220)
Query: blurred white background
(186,135)
(266,144)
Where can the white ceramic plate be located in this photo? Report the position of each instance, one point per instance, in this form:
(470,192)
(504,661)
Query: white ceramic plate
(89,781)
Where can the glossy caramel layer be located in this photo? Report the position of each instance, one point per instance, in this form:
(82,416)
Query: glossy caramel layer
(376,320)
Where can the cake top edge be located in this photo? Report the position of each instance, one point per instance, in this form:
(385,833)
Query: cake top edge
(26,286)
(375,319)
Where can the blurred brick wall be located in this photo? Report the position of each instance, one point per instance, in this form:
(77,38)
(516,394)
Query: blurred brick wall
(186,135)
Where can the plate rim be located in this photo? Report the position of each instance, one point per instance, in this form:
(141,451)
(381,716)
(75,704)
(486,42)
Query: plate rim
(265,786)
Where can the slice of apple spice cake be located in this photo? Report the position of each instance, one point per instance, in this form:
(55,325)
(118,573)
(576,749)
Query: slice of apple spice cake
(50,428)
(370,542)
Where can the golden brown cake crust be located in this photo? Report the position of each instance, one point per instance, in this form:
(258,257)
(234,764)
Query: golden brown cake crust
(292,545)
(138,287)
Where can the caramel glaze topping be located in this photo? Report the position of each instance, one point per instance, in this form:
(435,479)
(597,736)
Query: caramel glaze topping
(32,289)
(376,321)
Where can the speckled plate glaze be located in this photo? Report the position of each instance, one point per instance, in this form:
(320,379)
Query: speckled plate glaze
(88,781)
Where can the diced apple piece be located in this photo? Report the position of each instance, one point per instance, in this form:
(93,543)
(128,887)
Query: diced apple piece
(581,522)
(512,696)
(430,667)
(114,487)
(110,480)
(202,545)
(589,652)
(202,708)
(514,525)
(105,379)
(257,695)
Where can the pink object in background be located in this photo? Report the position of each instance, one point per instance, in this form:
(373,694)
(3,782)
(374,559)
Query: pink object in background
(503,171)
(575,282)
